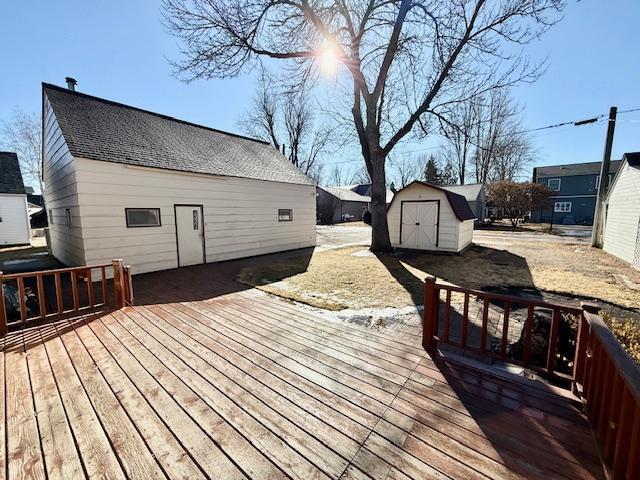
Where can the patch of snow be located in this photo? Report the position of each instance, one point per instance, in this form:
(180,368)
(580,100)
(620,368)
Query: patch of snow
(376,318)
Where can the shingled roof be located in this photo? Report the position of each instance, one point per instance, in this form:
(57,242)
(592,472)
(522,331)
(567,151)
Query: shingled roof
(346,195)
(99,129)
(10,175)
(588,168)
(459,204)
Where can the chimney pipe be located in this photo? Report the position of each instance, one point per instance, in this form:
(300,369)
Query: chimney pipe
(71,83)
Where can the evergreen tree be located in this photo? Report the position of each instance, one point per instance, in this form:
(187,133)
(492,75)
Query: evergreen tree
(431,171)
(448,175)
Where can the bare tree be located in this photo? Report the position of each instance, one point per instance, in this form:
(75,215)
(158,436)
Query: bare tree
(407,60)
(359,176)
(497,122)
(458,130)
(485,136)
(406,169)
(285,119)
(337,176)
(21,134)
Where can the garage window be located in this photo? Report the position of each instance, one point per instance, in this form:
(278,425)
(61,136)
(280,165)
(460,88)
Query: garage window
(142,217)
(563,207)
(285,215)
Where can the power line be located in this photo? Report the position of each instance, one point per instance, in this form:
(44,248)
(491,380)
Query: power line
(575,123)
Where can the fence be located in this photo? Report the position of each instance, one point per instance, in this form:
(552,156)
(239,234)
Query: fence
(50,294)
(600,371)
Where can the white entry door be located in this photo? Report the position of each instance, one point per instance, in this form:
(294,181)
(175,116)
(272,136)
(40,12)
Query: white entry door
(419,225)
(189,235)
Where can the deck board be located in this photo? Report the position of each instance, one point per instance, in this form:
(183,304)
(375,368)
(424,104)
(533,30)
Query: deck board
(58,447)
(162,443)
(24,452)
(210,379)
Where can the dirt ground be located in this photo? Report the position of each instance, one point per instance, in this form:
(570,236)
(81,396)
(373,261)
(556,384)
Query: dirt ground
(27,258)
(354,278)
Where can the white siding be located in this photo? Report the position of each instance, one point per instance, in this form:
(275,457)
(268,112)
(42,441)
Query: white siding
(465,234)
(59,175)
(623,214)
(240,215)
(448,224)
(14,220)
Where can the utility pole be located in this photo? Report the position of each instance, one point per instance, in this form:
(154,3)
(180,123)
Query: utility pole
(596,235)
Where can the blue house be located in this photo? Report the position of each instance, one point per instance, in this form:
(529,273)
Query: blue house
(575,188)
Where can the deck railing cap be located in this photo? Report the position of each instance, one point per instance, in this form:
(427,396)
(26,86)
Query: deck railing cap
(590,307)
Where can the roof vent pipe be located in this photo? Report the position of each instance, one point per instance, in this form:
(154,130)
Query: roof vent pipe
(71,83)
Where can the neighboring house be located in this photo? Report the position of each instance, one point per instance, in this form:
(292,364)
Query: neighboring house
(365,190)
(575,188)
(622,212)
(14,219)
(476,195)
(35,199)
(426,217)
(161,193)
(339,204)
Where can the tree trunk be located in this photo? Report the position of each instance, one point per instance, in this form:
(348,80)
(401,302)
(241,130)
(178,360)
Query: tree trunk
(380,241)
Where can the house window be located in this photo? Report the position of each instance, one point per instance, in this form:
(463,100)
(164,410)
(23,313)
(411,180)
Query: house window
(554,184)
(598,181)
(142,217)
(67,214)
(285,215)
(51,216)
(563,207)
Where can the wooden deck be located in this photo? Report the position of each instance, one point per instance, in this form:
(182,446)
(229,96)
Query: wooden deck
(216,381)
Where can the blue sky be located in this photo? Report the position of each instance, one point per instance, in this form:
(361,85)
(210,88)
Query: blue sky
(119,49)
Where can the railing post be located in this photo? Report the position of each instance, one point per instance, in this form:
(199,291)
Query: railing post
(428,340)
(118,282)
(582,339)
(128,282)
(3,312)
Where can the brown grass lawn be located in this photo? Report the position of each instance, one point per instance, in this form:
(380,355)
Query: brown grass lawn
(338,279)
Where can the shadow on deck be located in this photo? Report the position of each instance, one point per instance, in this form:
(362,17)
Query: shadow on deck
(206,377)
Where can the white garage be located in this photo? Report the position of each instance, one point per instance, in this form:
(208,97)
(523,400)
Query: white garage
(14,219)
(622,212)
(426,217)
(161,193)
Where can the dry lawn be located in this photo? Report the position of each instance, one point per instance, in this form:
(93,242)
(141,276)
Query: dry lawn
(338,279)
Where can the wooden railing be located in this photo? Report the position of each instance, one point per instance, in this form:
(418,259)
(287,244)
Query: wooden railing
(601,372)
(608,381)
(52,293)
(459,334)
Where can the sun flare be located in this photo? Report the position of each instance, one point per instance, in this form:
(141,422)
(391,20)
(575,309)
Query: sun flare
(328,59)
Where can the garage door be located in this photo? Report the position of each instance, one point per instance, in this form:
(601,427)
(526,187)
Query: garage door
(419,225)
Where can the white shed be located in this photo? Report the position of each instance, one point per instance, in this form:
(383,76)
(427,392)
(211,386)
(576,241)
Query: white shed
(426,217)
(622,212)
(162,193)
(14,219)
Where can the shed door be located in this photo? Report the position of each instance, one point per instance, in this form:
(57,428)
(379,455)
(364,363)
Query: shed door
(420,225)
(190,235)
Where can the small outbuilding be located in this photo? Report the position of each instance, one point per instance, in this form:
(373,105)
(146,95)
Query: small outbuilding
(14,219)
(340,204)
(622,212)
(426,217)
(476,195)
(162,193)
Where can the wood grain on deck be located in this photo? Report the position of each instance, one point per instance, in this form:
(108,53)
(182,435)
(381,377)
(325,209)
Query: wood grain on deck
(210,380)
